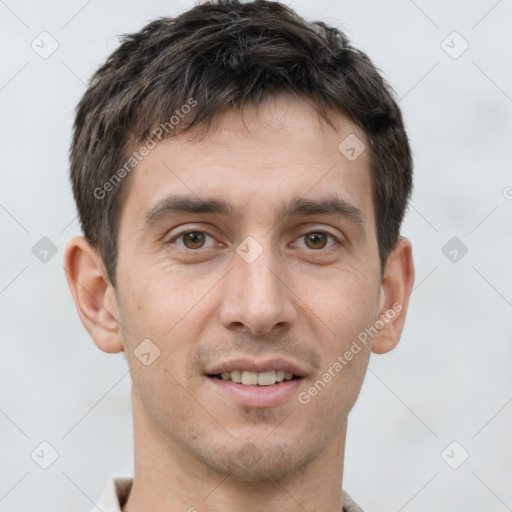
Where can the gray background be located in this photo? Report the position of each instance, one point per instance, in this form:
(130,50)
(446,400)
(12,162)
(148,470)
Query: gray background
(448,380)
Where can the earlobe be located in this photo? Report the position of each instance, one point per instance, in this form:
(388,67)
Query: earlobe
(396,288)
(93,294)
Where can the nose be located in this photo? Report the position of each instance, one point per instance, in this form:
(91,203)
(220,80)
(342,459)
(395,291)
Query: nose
(256,296)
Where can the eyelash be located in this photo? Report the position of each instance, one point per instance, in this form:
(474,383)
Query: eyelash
(188,231)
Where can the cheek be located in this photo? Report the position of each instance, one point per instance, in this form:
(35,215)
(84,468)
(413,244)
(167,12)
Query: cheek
(169,309)
(346,308)
(154,299)
(347,302)
(330,396)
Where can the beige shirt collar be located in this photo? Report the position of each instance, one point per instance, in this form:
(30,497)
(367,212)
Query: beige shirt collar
(118,489)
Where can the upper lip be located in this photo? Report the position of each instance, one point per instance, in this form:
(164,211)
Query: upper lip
(254,365)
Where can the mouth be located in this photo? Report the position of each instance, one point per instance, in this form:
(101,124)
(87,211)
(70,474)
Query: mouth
(249,378)
(256,383)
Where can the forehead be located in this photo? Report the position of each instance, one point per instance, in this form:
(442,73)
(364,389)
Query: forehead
(257,160)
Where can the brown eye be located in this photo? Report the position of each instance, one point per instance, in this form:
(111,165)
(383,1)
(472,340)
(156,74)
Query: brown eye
(193,239)
(316,240)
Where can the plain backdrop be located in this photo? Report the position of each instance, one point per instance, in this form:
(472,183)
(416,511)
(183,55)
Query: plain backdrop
(432,427)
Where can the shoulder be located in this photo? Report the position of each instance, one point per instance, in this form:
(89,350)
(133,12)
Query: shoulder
(349,505)
(115,494)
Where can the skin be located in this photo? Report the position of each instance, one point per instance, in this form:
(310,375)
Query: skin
(302,299)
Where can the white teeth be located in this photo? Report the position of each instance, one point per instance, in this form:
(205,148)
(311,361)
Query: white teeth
(279,375)
(236,376)
(249,378)
(267,378)
(256,378)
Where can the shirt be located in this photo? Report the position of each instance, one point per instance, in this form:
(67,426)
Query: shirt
(118,489)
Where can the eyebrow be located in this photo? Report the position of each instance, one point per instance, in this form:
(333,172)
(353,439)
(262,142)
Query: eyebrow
(298,206)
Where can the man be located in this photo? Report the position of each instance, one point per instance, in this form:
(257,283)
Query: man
(241,176)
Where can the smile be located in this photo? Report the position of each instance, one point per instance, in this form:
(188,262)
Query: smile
(248,378)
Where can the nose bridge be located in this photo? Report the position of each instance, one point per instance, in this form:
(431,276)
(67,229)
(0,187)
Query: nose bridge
(255,296)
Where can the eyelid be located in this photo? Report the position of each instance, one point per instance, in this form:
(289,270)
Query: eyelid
(186,230)
(339,240)
(312,227)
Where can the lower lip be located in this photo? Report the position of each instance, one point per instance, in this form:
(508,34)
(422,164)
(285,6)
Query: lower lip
(257,396)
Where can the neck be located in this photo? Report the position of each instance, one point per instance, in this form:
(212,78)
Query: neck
(169,478)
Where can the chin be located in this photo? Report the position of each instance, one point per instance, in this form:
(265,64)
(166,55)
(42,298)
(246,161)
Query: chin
(259,461)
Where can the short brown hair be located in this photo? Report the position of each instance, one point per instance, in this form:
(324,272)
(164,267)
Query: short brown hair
(220,55)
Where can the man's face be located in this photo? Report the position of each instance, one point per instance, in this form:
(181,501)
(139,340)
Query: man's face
(250,289)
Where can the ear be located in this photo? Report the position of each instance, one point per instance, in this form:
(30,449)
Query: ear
(396,287)
(94,295)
